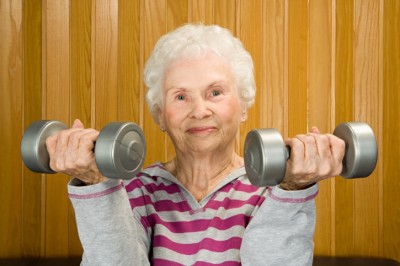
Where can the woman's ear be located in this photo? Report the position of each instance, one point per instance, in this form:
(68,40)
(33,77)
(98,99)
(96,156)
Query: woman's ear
(243,118)
(161,121)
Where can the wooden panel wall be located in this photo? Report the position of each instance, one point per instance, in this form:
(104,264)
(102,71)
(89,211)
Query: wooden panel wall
(317,62)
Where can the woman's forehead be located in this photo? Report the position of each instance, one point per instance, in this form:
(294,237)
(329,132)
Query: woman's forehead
(207,68)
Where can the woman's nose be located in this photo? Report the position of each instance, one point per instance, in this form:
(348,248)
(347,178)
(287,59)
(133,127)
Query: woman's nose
(200,109)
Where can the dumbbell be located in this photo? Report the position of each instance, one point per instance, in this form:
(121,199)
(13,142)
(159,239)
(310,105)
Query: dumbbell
(119,150)
(265,153)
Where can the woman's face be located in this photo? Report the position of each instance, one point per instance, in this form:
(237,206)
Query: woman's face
(202,110)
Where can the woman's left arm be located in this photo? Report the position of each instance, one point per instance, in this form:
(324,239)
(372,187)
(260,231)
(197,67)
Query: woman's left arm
(282,231)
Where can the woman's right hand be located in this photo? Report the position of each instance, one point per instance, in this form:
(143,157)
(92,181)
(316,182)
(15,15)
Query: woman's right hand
(71,152)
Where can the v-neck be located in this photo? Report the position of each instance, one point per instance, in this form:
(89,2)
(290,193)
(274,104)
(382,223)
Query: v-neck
(158,169)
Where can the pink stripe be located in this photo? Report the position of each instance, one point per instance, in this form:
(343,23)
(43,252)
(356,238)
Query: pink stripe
(243,187)
(199,224)
(160,205)
(164,262)
(225,263)
(97,194)
(151,187)
(291,200)
(167,205)
(228,203)
(191,249)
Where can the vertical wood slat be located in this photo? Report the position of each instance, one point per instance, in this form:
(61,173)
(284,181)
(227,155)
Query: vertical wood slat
(154,27)
(32,194)
(131,99)
(366,107)
(297,69)
(80,90)
(11,73)
(391,129)
(57,106)
(344,95)
(319,104)
(273,76)
(105,45)
(201,11)
(225,14)
(250,33)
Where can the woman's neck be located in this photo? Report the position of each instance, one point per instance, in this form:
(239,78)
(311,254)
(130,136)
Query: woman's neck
(201,174)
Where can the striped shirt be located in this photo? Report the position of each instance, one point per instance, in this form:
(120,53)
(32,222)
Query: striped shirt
(179,230)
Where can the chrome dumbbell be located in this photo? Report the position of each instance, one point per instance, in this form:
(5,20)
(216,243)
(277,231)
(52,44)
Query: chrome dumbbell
(265,153)
(119,150)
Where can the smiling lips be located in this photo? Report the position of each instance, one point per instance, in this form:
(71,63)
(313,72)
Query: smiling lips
(201,130)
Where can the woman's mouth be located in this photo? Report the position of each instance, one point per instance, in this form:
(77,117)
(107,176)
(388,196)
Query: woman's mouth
(201,130)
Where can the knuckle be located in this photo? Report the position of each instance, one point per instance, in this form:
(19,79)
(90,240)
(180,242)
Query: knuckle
(324,139)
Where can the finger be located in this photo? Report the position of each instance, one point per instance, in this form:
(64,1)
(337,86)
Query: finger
(327,165)
(51,145)
(315,130)
(296,149)
(86,148)
(71,150)
(338,148)
(323,145)
(77,124)
(310,147)
(62,140)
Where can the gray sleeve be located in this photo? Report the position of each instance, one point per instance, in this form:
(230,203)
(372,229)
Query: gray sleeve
(108,231)
(282,230)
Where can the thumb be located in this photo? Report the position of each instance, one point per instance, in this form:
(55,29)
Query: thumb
(77,124)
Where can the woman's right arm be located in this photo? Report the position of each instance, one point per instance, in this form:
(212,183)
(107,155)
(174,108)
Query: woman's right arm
(109,232)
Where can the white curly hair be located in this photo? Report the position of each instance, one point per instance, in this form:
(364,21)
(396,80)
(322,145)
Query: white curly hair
(193,40)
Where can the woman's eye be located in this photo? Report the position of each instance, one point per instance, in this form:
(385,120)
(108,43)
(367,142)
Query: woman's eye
(215,93)
(180,97)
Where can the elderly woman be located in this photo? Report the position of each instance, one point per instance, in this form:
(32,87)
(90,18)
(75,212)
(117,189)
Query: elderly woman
(199,208)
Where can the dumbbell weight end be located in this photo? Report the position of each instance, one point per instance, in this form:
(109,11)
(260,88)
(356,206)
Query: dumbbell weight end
(33,145)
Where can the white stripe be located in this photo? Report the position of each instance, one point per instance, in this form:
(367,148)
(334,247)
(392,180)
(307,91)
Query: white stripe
(195,237)
(212,257)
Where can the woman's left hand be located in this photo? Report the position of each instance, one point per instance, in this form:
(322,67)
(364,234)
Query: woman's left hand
(313,157)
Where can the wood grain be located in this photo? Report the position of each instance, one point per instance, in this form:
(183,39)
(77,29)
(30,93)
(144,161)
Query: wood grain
(105,66)
(391,129)
(366,107)
(250,33)
(274,65)
(225,14)
(297,66)
(201,11)
(33,235)
(154,28)
(57,106)
(344,106)
(131,99)
(320,107)
(11,73)
(80,91)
